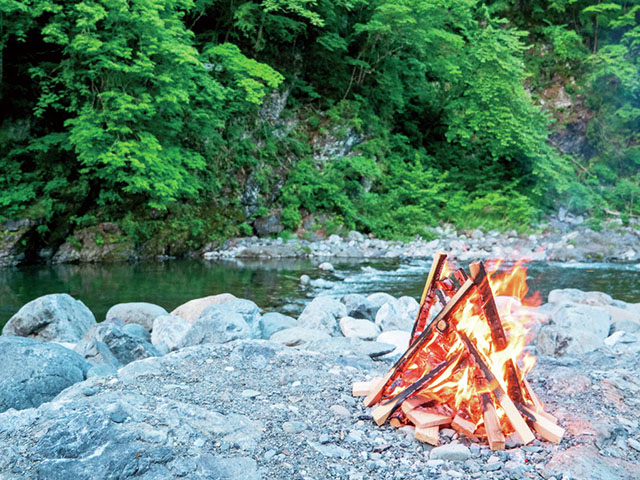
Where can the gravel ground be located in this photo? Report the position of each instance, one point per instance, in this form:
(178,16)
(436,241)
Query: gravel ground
(253,409)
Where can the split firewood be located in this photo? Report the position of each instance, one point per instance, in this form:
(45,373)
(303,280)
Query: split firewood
(427,296)
(462,425)
(492,427)
(430,435)
(362,389)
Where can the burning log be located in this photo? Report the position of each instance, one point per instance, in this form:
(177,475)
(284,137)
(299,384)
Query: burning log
(457,365)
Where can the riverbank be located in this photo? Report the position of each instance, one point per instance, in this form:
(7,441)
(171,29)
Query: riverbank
(220,388)
(566,240)
(575,244)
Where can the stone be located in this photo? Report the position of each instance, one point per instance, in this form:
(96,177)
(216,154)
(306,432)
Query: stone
(191,310)
(216,327)
(127,342)
(98,354)
(141,313)
(33,372)
(455,452)
(358,306)
(398,314)
(357,328)
(249,311)
(57,317)
(305,279)
(331,451)
(378,299)
(273,322)
(585,461)
(322,314)
(573,295)
(294,427)
(168,332)
(326,266)
(398,338)
(633,443)
(295,336)
(574,329)
(340,411)
(624,320)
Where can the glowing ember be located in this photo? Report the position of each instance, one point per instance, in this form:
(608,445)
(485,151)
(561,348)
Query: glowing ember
(467,357)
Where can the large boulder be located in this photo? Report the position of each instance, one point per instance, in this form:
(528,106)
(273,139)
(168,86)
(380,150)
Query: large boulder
(573,295)
(624,319)
(57,317)
(398,338)
(216,326)
(398,314)
(168,332)
(141,313)
(574,329)
(128,342)
(378,299)
(98,354)
(191,310)
(358,306)
(359,328)
(273,322)
(249,311)
(323,314)
(33,372)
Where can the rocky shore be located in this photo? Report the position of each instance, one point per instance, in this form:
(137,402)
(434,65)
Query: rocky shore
(562,238)
(220,389)
(565,243)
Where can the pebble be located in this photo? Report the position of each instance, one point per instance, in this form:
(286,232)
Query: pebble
(269,454)
(294,427)
(250,393)
(305,279)
(633,443)
(340,411)
(452,451)
(324,438)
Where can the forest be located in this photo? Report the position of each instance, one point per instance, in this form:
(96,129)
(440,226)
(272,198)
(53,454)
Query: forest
(185,121)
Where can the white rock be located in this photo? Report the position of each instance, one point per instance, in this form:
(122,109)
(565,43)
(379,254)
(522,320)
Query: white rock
(295,336)
(191,310)
(455,452)
(359,328)
(326,266)
(399,338)
(169,330)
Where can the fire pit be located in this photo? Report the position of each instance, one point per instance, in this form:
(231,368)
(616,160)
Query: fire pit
(465,366)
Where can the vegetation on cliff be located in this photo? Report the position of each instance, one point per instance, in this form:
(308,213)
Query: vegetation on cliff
(186,120)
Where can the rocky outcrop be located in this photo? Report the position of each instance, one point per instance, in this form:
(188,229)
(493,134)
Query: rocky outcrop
(141,313)
(56,317)
(33,372)
(101,243)
(12,234)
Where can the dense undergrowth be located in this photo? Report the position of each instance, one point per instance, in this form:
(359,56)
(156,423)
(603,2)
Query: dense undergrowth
(164,115)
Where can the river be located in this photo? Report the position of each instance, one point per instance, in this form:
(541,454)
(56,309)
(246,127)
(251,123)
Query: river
(273,285)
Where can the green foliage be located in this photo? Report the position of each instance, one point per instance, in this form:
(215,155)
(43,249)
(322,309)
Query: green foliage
(159,114)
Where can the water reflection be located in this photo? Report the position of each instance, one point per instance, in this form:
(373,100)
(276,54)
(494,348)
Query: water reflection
(272,285)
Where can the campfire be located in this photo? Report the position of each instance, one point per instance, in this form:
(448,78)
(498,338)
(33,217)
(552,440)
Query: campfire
(465,366)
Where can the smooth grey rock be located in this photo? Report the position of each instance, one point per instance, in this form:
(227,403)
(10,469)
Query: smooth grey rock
(141,313)
(249,311)
(216,327)
(305,279)
(326,266)
(57,317)
(359,328)
(573,295)
(358,306)
(168,332)
(455,452)
(574,329)
(378,299)
(191,310)
(294,427)
(585,461)
(273,322)
(97,353)
(126,342)
(624,320)
(295,336)
(398,314)
(33,372)
(322,314)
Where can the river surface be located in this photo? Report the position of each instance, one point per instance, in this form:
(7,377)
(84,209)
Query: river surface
(273,285)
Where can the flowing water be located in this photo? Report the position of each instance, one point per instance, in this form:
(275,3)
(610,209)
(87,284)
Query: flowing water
(273,285)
